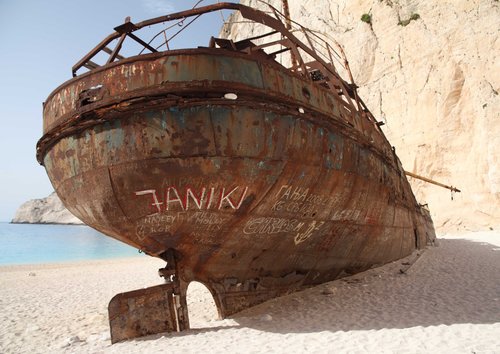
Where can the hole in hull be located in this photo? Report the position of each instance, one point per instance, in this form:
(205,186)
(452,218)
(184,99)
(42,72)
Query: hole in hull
(201,305)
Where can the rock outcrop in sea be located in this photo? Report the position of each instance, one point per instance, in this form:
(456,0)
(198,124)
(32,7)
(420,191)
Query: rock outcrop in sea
(430,70)
(49,210)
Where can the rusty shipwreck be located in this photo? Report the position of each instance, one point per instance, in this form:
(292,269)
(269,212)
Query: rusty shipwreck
(251,176)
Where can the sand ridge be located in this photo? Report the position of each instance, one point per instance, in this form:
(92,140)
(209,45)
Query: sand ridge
(447,301)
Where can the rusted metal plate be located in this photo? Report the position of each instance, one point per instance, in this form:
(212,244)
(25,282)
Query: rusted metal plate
(254,195)
(287,183)
(142,312)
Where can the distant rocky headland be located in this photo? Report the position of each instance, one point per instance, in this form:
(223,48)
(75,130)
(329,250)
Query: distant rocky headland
(49,210)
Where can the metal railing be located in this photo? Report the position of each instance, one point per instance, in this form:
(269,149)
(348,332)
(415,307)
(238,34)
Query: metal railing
(317,60)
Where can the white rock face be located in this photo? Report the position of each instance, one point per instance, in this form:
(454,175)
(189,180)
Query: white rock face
(48,210)
(435,82)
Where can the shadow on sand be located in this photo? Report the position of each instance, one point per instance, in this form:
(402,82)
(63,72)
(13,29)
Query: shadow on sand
(453,283)
(456,282)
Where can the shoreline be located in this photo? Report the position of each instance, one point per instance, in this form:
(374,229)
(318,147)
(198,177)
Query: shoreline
(72,263)
(449,300)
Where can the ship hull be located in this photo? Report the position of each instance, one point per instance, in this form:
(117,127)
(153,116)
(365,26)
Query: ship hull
(278,189)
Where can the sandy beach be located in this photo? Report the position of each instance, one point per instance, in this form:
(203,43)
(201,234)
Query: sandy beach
(447,301)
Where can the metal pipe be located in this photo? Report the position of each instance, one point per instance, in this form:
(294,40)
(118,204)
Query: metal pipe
(288,25)
(428,180)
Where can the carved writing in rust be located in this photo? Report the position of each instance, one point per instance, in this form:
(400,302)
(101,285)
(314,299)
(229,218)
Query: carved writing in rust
(302,230)
(187,198)
(294,199)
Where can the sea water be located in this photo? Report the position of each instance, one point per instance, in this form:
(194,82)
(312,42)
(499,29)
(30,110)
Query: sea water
(30,244)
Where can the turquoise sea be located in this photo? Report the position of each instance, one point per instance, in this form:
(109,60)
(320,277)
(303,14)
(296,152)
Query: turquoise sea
(29,244)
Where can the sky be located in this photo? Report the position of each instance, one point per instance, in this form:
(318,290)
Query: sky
(39,43)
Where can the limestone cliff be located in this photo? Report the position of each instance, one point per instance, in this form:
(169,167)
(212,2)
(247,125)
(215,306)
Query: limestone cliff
(431,71)
(48,210)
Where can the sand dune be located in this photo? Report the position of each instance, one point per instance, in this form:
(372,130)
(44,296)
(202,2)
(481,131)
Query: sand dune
(447,301)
